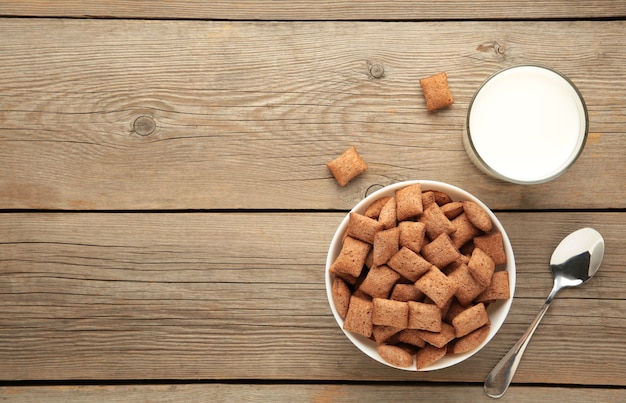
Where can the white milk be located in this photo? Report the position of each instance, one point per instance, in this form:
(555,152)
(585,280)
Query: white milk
(526,125)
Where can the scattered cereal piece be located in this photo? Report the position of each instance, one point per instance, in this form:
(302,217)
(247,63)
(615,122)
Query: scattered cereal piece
(359,316)
(395,355)
(436,91)
(347,166)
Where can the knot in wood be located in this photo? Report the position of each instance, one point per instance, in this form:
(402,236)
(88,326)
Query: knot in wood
(377,71)
(144,125)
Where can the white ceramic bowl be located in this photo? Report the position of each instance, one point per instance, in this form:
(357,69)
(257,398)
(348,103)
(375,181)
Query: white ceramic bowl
(497,311)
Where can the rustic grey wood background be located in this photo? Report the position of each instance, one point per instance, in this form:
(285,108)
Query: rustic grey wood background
(165,209)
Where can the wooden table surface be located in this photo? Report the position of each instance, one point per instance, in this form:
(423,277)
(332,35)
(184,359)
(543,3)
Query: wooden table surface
(166,210)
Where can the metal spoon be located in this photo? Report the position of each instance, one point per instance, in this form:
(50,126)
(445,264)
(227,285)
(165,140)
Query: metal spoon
(573,262)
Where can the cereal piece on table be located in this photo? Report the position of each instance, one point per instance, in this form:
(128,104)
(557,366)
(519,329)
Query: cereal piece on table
(477,215)
(379,282)
(412,235)
(351,258)
(465,231)
(441,251)
(481,266)
(409,264)
(428,356)
(424,316)
(373,210)
(395,355)
(382,334)
(452,209)
(409,202)
(406,292)
(388,214)
(467,286)
(359,317)
(498,289)
(493,245)
(341,296)
(470,319)
(385,245)
(410,336)
(437,286)
(387,312)
(441,338)
(362,227)
(470,341)
(436,91)
(347,166)
(436,222)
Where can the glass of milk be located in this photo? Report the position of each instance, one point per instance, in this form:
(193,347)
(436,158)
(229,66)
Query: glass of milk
(526,125)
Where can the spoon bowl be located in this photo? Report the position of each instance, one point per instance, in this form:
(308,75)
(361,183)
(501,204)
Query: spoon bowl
(575,260)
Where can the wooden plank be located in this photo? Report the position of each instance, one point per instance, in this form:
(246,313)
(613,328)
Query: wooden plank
(241,296)
(319,10)
(247,115)
(226,392)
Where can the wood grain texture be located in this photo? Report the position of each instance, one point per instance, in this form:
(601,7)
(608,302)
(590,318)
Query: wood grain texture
(224,392)
(241,296)
(247,114)
(318,10)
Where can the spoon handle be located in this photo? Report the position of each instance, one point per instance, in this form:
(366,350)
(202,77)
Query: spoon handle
(502,374)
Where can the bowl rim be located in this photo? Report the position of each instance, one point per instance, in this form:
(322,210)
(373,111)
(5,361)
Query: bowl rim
(499,308)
